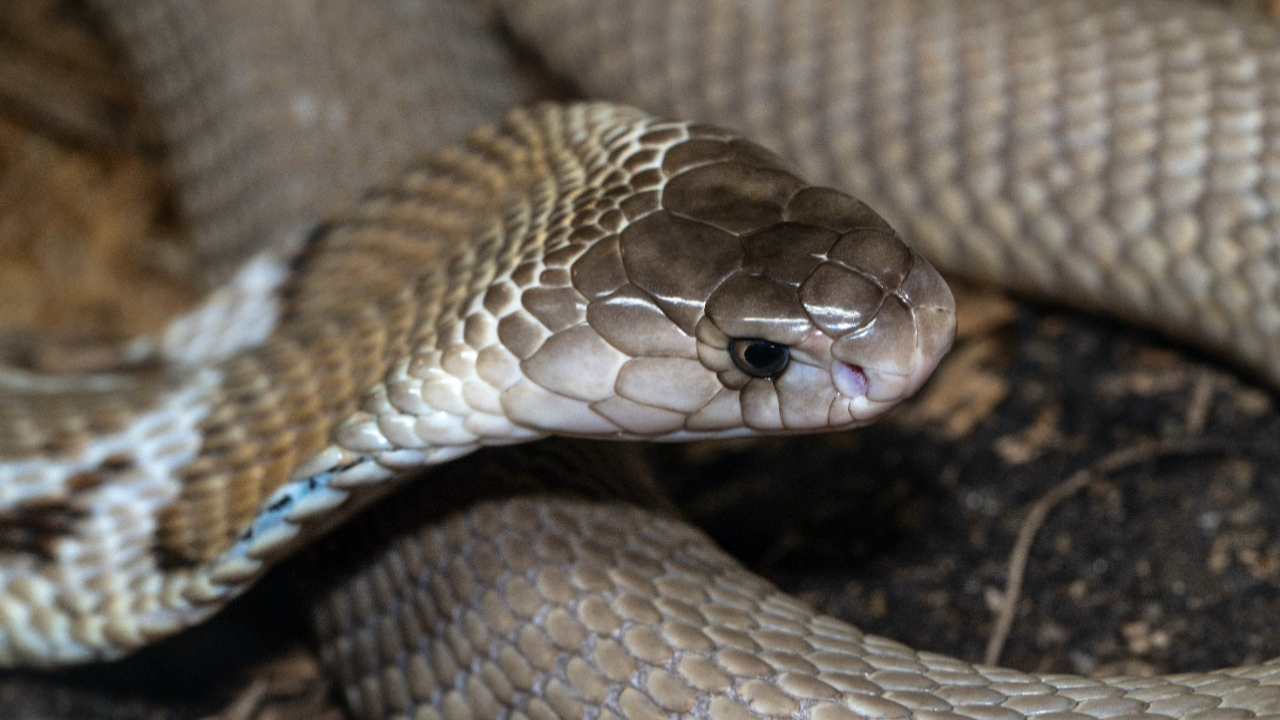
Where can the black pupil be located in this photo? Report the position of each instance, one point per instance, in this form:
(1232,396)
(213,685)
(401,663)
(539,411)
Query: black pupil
(759,358)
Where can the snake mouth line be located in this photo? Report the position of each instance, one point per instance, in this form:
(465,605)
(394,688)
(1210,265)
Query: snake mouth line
(851,380)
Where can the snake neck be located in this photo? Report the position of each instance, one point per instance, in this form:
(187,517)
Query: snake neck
(369,376)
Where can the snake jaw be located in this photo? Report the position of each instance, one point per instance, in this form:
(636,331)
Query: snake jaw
(851,380)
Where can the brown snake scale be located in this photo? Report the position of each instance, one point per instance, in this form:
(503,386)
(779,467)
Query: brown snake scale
(390,297)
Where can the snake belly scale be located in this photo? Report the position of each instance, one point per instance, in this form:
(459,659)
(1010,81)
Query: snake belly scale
(592,270)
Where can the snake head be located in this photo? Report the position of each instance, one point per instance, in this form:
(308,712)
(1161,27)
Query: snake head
(828,319)
(710,292)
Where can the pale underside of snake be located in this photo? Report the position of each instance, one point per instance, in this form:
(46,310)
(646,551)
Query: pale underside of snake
(590,270)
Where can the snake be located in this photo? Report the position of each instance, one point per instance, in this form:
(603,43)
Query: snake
(402,270)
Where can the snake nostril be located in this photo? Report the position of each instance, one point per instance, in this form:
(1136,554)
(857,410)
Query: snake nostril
(850,380)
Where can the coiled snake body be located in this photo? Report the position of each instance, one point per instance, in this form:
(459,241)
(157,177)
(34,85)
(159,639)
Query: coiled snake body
(590,270)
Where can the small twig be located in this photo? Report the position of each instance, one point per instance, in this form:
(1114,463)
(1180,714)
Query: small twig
(1198,407)
(1040,510)
(246,704)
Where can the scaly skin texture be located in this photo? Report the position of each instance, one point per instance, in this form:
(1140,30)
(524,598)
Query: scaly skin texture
(568,603)
(582,270)
(1111,154)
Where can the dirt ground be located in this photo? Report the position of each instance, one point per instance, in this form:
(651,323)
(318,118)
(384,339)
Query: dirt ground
(1165,558)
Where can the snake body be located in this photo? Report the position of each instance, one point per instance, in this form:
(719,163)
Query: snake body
(590,270)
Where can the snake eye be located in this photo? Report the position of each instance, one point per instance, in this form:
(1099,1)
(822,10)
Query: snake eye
(759,358)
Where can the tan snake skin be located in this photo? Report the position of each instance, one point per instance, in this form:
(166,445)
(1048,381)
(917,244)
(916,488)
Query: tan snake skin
(1088,151)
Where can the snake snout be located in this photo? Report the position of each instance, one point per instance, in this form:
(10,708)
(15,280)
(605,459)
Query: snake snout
(888,315)
(898,348)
